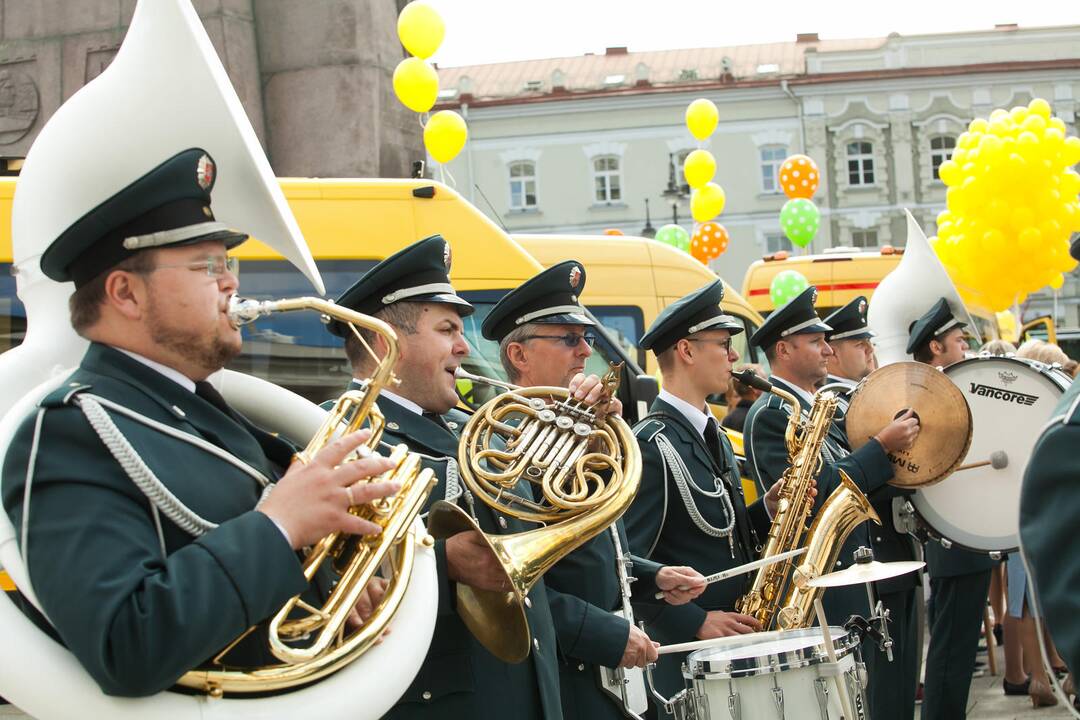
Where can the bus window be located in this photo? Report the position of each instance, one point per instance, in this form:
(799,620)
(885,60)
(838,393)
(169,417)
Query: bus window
(626,324)
(12,312)
(295,350)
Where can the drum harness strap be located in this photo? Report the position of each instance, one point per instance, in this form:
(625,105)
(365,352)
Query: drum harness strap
(686,486)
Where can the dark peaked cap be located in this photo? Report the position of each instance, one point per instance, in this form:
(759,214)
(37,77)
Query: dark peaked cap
(700,310)
(849,322)
(418,273)
(550,297)
(168,206)
(936,322)
(798,317)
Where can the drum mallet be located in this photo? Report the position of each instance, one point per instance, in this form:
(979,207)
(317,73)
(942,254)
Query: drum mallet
(841,684)
(999,459)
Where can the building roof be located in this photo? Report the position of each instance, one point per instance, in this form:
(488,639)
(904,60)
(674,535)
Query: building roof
(619,71)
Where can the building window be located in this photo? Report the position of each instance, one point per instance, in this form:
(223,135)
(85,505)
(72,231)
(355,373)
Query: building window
(860,163)
(680,177)
(864,238)
(523,185)
(772,157)
(775,242)
(941,148)
(606,179)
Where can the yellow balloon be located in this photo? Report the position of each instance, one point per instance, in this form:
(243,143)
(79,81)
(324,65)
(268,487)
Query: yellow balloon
(699,168)
(701,118)
(1040,107)
(707,202)
(445,135)
(416,84)
(421,29)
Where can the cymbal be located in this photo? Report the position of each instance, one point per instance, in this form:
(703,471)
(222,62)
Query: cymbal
(860,573)
(944,420)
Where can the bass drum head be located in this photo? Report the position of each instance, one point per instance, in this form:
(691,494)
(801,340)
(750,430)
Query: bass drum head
(1010,400)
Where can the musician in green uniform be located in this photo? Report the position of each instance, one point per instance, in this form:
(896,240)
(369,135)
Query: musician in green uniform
(892,685)
(793,339)
(411,291)
(959,579)
(544,340)
(690,508)
(146,570)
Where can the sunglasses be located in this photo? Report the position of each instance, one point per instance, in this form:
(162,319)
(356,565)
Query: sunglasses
(570,340)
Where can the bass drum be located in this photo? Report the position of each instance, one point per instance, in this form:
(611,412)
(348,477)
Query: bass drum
(977,508)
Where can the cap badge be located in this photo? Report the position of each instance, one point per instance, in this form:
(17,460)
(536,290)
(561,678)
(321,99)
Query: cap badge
(862,307)
(446,255)
(575,276)
(813,297)
(204,172)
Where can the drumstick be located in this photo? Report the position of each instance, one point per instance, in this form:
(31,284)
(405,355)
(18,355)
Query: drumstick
(999,459)
(841,684)
(741,569)
(695,645)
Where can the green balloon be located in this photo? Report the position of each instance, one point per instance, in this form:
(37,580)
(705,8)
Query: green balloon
(786,286)
(675,236)
(800,219)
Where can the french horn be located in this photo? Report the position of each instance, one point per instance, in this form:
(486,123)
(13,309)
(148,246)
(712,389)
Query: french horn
(537,455)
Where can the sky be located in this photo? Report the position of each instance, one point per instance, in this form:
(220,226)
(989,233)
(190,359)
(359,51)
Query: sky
(487,31)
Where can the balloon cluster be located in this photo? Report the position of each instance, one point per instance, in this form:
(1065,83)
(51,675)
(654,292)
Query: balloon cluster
(1012,204)
(800,217)
(707,199)
(416,84)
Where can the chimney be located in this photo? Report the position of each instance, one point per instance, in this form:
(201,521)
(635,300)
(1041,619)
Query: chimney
(616,51)
(807,38)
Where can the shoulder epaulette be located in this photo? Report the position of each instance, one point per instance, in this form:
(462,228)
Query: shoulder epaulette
(648,429)
(62,395)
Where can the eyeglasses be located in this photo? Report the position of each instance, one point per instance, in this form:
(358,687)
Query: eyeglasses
(214,267)
(571,340)
(725,344)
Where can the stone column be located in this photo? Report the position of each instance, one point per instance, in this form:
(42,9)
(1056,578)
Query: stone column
(326,78)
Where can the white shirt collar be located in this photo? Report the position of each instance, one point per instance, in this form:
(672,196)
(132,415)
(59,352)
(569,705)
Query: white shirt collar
(172,373)
(696,416)
(808,397)
(403,402)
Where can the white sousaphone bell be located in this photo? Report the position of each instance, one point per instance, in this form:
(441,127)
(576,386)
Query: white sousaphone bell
(165,91)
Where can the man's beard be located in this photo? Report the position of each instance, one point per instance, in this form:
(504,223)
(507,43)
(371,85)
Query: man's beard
(209,351)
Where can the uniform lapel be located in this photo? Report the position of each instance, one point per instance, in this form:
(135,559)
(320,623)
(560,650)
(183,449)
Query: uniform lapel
(690,436)
(186,407)
(423,435)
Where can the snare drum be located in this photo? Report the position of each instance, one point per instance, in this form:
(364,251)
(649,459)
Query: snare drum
(785,673)
(1010,400)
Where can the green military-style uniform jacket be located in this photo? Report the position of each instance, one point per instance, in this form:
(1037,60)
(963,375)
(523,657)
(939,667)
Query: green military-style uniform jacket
(584,590)
(140,603)
(1049,505)
(868,467)
(661,528)
(460,678)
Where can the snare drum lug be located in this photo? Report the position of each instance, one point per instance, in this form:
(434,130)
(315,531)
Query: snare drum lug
(821,688)
(734,708)
(778,698)
(995,554)
(946,543)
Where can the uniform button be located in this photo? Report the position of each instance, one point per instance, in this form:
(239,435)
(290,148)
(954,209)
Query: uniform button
(392,426)
(426,695)
(536,644)
(581,666)
(837,563)
(502,522)
(451,424)
(877,539)
(528,603)
(178,411)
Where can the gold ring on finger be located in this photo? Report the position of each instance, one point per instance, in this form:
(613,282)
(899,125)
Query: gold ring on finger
(348,492)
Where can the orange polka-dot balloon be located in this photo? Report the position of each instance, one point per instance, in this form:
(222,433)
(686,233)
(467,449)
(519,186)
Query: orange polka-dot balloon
(709,241)
(799,177)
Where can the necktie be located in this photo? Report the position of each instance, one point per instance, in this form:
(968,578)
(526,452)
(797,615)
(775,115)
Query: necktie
(210,394)
(712,441)
(437,419)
